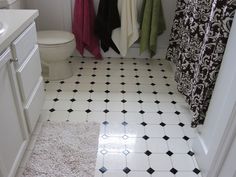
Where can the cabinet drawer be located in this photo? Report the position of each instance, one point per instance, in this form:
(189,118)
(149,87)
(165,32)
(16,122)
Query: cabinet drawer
(24,44)
(29,73)
(33,107)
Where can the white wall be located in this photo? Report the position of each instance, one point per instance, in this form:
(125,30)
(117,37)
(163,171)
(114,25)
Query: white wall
(208,145)
(56,14)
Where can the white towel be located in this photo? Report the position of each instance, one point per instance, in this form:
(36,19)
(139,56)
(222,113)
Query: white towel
(128,33)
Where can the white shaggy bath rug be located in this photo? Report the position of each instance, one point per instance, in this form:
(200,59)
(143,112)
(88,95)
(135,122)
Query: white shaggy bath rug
(64,150)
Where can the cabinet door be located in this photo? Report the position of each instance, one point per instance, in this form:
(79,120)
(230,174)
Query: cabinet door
(13,139)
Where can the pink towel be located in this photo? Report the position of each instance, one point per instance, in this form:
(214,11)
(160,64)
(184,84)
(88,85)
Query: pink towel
(83,28)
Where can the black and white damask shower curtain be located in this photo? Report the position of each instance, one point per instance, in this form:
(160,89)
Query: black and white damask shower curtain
(198,40)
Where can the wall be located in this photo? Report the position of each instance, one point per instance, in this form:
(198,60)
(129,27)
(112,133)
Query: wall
(56,15)
(208,146)
(18,4)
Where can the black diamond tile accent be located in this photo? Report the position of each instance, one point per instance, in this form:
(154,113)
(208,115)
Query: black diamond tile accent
(162,124)
(106,101)
(137,83)
(186,138)
(107,91)
(148,153)
(165,77)
(151,77)
(106,111)
(144,124)
(122,83)
(92,83)
(169,153)
(181,124)
(108,63)
(197,171)
(157,102)
(190,153)
(124,123)
(152,84)
(95,62)
(177,112)
(162,70)
(81,68)
(107,83)
(108,75)
(170,93)
(174,171)
(77,82)
(126,170)
(121,63)
(122,69)
(89,100)
(70,110)
(105,123)
(139,92)
(52,110)
(122,76)
(149,70)
(150,171)
(160,64)
(75,90)
(91,91)
(108,69)
(123,92)
(141,112)
(62,82)
(140,101)
(94,69)
(79,75)
(56,99)
(173,102)
(72,100)
(155,93)
(123,101)
(59,90)
(145,137)
(88,111)
(134,63)
(167,85)
(46,82)
(165,137)
(135,69)
(124,111)
(103,170)
(94,75)
(136,76)
(160,112)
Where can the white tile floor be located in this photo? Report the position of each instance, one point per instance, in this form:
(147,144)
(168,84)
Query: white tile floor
(145,123)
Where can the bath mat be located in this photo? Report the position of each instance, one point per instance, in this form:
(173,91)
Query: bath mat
(64,150)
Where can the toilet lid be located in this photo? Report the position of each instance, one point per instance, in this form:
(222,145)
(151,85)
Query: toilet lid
(54,37)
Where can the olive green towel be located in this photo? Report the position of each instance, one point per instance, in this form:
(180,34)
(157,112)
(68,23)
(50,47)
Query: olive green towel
(152,25)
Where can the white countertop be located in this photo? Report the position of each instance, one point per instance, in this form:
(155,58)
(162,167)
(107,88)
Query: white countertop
(16,21)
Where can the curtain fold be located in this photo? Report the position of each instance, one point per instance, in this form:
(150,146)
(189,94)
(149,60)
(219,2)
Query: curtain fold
(198,39)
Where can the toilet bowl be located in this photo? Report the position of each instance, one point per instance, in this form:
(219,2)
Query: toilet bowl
(55,48)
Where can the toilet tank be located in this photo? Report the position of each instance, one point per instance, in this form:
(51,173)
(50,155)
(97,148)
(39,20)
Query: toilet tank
(53,14)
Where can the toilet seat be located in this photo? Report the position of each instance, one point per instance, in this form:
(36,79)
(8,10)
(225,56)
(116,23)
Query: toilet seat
(54,38)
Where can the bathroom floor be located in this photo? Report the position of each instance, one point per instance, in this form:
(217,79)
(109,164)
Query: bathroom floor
(145,122)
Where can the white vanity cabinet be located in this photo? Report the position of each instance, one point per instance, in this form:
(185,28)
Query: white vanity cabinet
(13,130)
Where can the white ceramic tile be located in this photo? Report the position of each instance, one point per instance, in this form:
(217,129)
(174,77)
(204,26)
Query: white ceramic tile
(82,95)
(132,106)
(48,104)
(174,131)
(80,105)
(99,161)
(170,118)
(96,116)
(154,131)
(190,132)
(152,118)
(77,116)
(97,106)
(133,117)
(163,174)
(150,107)
(178,145)
(167,107)
(182,162)
(157,145)
(134,130)
(59,116)
(114,173)
(148,97)
(186,174)
(137,161)
(160,162)
(115,117)
(138,174)
(115,106)
(99,96)
(136,145)
(113,144)
(62,105)
(115,130)
(49,95)
(114,161)
(115,96)
(65,95)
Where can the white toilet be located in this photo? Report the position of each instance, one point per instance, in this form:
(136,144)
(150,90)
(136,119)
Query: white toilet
(55,48)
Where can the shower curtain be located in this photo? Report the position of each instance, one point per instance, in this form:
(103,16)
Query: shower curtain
(197,44)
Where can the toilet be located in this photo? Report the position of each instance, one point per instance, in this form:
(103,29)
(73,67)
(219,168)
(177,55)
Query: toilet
(55,48)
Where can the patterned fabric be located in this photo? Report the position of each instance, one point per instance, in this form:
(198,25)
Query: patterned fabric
(198,40)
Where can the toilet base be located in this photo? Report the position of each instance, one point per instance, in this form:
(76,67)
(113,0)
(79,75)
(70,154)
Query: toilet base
(56,70)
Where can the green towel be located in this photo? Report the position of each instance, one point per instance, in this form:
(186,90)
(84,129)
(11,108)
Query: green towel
(152,25)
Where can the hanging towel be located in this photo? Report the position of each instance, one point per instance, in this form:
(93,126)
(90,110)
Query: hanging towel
(128,33)
(153,24)
(106,21)
(83,28)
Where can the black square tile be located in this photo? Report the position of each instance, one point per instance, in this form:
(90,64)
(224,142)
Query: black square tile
(144,124)
(170,93)
(160,112)
(137,83)
(93,75)
(157,102)
(174,171)
(46,82)
(77,82)
(145,137)
(122,76)
(55,99)
(62,82)
(139,92)
(177,112)
(72,100)
(181,124)
(152,84)
(151,77)
(155,93)
(148,153)
(141,112)
(70,110)
(122,83)
(91,91)
(52,110)
(123,91)
(88,111)
(107,91)
(59,90)
(190,153)
(126,170)
(79,75)
(92,83)
(197,171)
(123,101)
(167,85)
(107,83)
(162,124)
(124,123)
(136,76)
(108,75)
(165,137)
(140,101)
(75,90)
(106,111)
(150,171)
(106,101)
(124,111)
(186,138)
(173,102)
(169,153)
(103,170)
(105,123)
